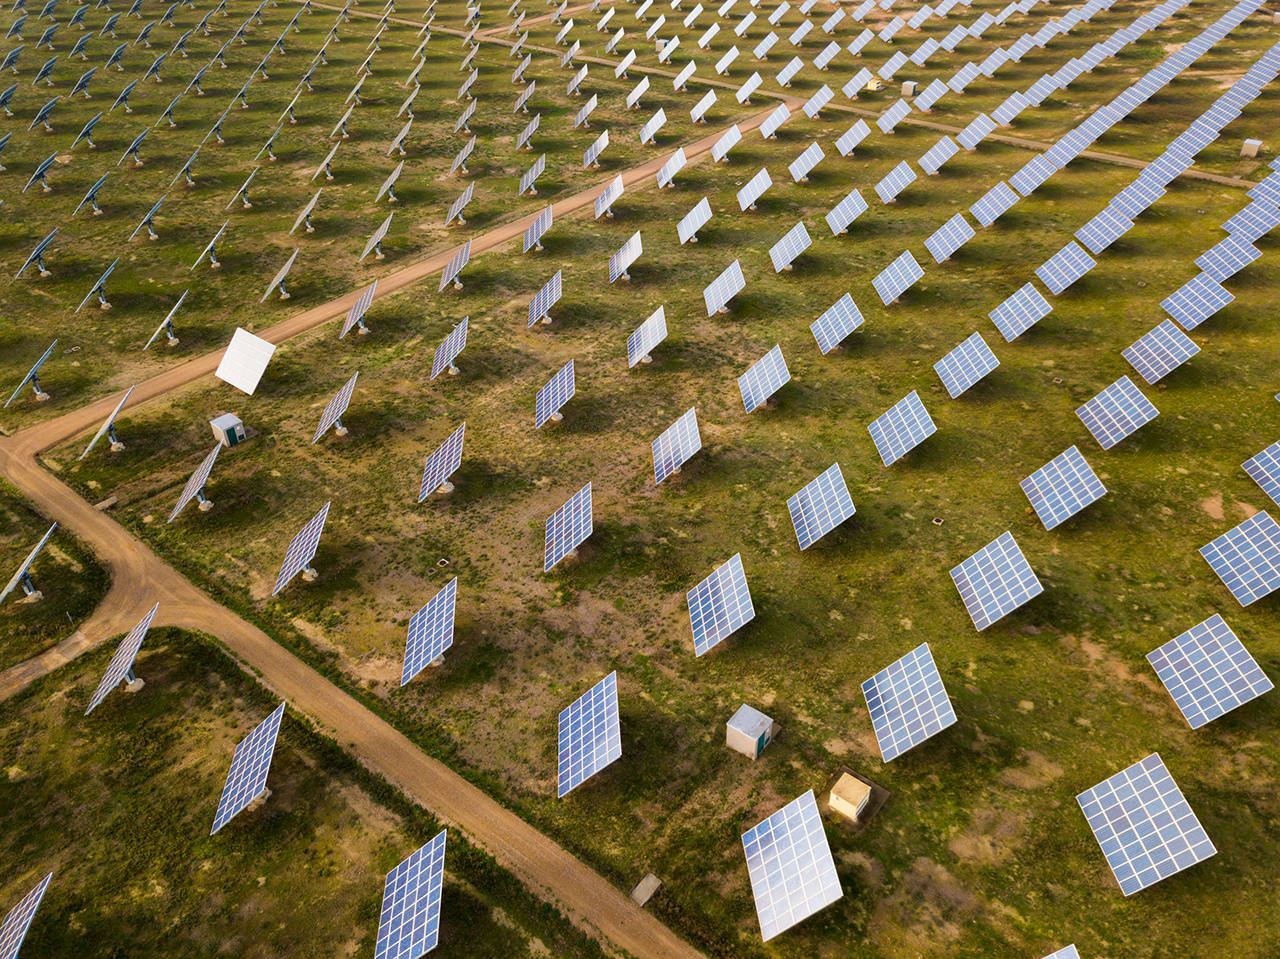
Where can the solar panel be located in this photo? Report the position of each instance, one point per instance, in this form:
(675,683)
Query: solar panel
(605,201)
(568,527)
(244,361)
(803,165)
(724,62)
(530,176)
(699,112)
(720,605)
(18,921)
(908,703)
(195,485)
(1116,412)
(1160,350)
(754,189)
(993,203)
(592,157)
(667,175)
(821,506)
(861,40)
(724,288)
(682,78)
(547,297)
(1065,267)
(107,426)
(590,735)
(1062,487)
(764,378)
(1144,825)
(333,411)
(537,229)
(857,83)
(784,252)
(893,116)
(1254,221)
(621,69)
(962,78)
(891,29)
(1208,672)
(1227,258)
(897,180)
(1032,175)
(430,632)
(623,259)
(839,320)
(1196,300)
(675,446)
(949,237)
(456,208)
(1247,558)
(409,926)
(790,865)
(121,665)
(787,73)
(966,364)
(577,80)
(554,394)
(1104,229)
(277,282)
(649,131)
(522,101)
(302,550)
(902,428)
(693,221)
(460,161)
(1020,312)
(721,148)
(1009,110)
(897,277)
(852,137)
(829,52)
(769,129)
(892,66)
(938,154)
(448,350)
(1265,470)
(646,336)
(455,266)
(375,240)
(995,581)
(247,779)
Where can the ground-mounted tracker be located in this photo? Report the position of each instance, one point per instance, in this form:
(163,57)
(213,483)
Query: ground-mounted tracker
(1144,825)
(699,112)
(731,138)
(845,212)
(430,632)
(1208,672)
(455,266)
(893,116)
(409,924)
(674,447)
(898,277)
(590,735)
(646,336)
(1196,300)
(375,240)
(857,83)
(965,365)
(547,297)
(355,316)
(724,288)
(1104,229)
(720,605)
(784,252)
(455,210)
(764,378)
(892,66)
(992,204)
(649,132)
(450,347)
(803,165)
(977,130)
(1160,351)
(688,227)
(1247,558)
(1021,311)
(1253,222)
(610,194)
(277,282)
(838,321)
(895,181)
(1065,267)
(568,527)
(1227,257)
(553,395)
(930,96)
(388,185)
(754,189)
(1116,412)
(774,121)
(938,154)
(196,484)
(788,72)
(667,175)
(1062,487)
(908,703)
(949,238)
(121,666)
(816,102)
(108,426)
(723,64)
(302,550)
(22,575)
(334,409)
(995,581)
(530,176)
(622,260)
(247,779)
(902,428)
(245,360)
(591,158)
(582,117)
(820,506)
(1264,469)
(789,862)
(14,928)
(1033,175)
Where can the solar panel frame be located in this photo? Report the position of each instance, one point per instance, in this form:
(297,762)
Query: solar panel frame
(568,527)
(901,428)
(938,154)
(122,660)
(409,924)
(590,736)
(827,53)
(725,61)
(547,297)
(455,266)
(693,221)
(530,176)
(1065,267)
(607,197)
(1160,351)
(720,605)
(554,394)
(646,336)
(625,257)
(892,66)
(856,84)
(820,506)
(377,237)
(962,78)
(845,212)
(1116,412)
(675,446)
(754,189)
(450,347)
(724,288)
(1264,469)
(784,252)
(966,365)
(1208,672)
(852,137)
(816,102)
(430,632)
(699,111)
(788,72)
(14,928)
(837,322)
(443,462)
(455,209)
(335,408)
(1247,558)
(995,581)
(898,277)
(302,549)
(895,181)
(247,778)
(908,703)
(763,378)
(949,238)
(1062,487)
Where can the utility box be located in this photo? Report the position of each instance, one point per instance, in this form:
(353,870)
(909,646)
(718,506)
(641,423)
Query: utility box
(749,731)
(849,797)
(875,84)
(228,429)
(909,88)
(1250,148)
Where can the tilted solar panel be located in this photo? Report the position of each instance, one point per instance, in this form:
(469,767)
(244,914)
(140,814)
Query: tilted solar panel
(302,549)
(719,605)
(966,364)
(336,407)
(898,277)
(895,181)
(688,227)
(409,925)
(568,527)
(949,237)
(1062,487)
(1160,350)
(18,921)
(839,320)
(1247,558)
(845,212)
(430,632)
(1065,267)
(784,252)
(901,429)
(1196,300)
(1265,470)
(121,664)
(622,260)
(1116,412)
(442,463)
(995,581)
(1208,672)
(938,154)
(547,297)
(764,378)
(646,336)
(724,288)
(993,203)
(908,703)
(1020,312)
(675,446)
(590,735)
(977,130)
(553,395)
(247,778)
(820,506)
(1104,229)
(449,349)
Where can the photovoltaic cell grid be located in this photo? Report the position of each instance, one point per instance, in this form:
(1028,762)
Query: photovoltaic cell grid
(993,203)
(646,336)
(981,125)
(1020,312)
(568,527)
(840,319)
(455,266)
(1144,825)
(590,735)
(901,429)
(249,766)
(897,277)
(430,632)
(197,481)
(1062,487)
(821,506)
(627,254)
(966,364)
(1196,300)
(1159,351)
(449,349)
(122,660)
(1247,558)
(765,377)
(409,926)
(719,605)
(790,865)
(995,581)
(337,406)
(784,252)
(803,165)
(359,309)
(1065,267)
(538,228)
(557,391)
(724,288)
(1116,412)
(442,463)
(678,442)
(895,181)
(693,221)
(1227,258)
(1208,672)
(545,298)
(845,212)
(1104,229)
(949,237)
(1265,470)
(908,703)
(1066,952)
(302,549)
(852,137)
(18,921)
(754,189)
(938,154)
(893,116)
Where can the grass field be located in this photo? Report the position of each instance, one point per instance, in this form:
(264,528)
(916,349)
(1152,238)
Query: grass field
(981,849)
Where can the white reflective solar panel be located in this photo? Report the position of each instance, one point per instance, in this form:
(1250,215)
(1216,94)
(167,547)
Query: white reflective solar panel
(545,299)
(430,632)
(197,481)
(995,581)
(817,102)
(249,767)
(537,229)
(590,735)
(976,131)
(1062,487)
(359,309)
(1020,312)
(1208,672)
(908,703)
(840,319)
(1144,825)
(892,66)
(1227,258)
(454,267)
(1032,175)
(787,73)
(568,527)
(667,175)
(592,156)
(902,428)
(530,176)
(845,212)
(1196,300)
(828,53)
(303,548)
(1065,267)
(1265,470)
(822,505)
(897,277)
(938,154)
(724,288)
(442,463)
(1247,558)
(1104,229)
(1116,412)
(790,865)
(700,109)
(449,349)
(784,252)
(754,189)
(719,605)
(1008,111)
(554,394)
(993,203)
(852,137)
(678,442)
(336,407)
(893,116)
(774,121)
(633,98)
(1160,350)
(102,430)
(244,361)
(857,83)
(721,148)
(626,255)
(650,129)
(455,210)
(963,77)
(409,926)
(724,62)
(611,193)
(895,181)
(966,364)
(693,221)
(764,378)
(646,336)
(18,921)
(949,237)
(121,661)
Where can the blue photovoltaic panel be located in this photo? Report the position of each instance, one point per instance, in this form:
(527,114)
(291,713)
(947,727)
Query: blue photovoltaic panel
(995,581)
(1144,825)
(249,766)
(784,252)
(1104,229)
(16,924)
(901,429)
(568,527)
(337,406)
(1247,558)
(908,703)
(765,377)
(455,265)
(1020,312)
(409,926)
(646,336)
(820,506)
(1116,412)
(852,137)
(1032,175)
(557,391)
(678,442)
(897,277)
(627,254)
(966,364)
(590,735)
(724,288)
(537,229)
(840,319)
(1065,267)
(1062,487)
(448,350)
(197,481)
(893,116)
(845,212)
(1066,952)
(976,131)
(790,865)
(1163,349)
(1208,672)
(993,203)
(938,154)
(1227,258)
(719,605)
(430,632)
(1254,221)
(122,660)
(359,308)
(442,463)
(302,549)
(949,237)
(895,181)
(547,297)
(1265,470)
(1196,300)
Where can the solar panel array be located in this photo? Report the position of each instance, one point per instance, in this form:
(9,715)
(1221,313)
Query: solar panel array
(719,605)
(122,660)
(895,181)
(335,408)
(449,349)
(675,446)
(557,391)
(838,321)
(1062,487)
(1159,351)
(1227,258)
(1247,558)
(901,429)
(568,527)
(1116,412)
(898,277)
(430,632)
(820,506)
(966,364)
(18,921)
(1208,672)
(908,703)
(995,581)
(409,926)
(590,735)
(993,203)
(247,778)
(442,463)
(784,252)
(303,548)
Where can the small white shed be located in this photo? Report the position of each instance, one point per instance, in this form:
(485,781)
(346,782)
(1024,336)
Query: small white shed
(849,796)
(749,731)
(228,429)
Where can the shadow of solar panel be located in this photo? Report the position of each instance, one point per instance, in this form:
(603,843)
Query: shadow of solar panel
(430,632)
(993,203)
(949,237)
(1265,470)
(1208,672)
(409,926)
(995,581)
(1159,351)
(678,442)
(442,463)
(966,364)
(821,506)
(249,767)
(784,252)
(590,735)
(1145,827)
(553,395)
(302,549)
(901,429)
(719,605)
(840,319)
(1116,412)
(895,181)
(1247,558)
(765,377)
(1020,312)
(122,660)
(907,703)
(790,865)
(568,527)
(452,345)
(18,921)
(1062,487)
(1065,267)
